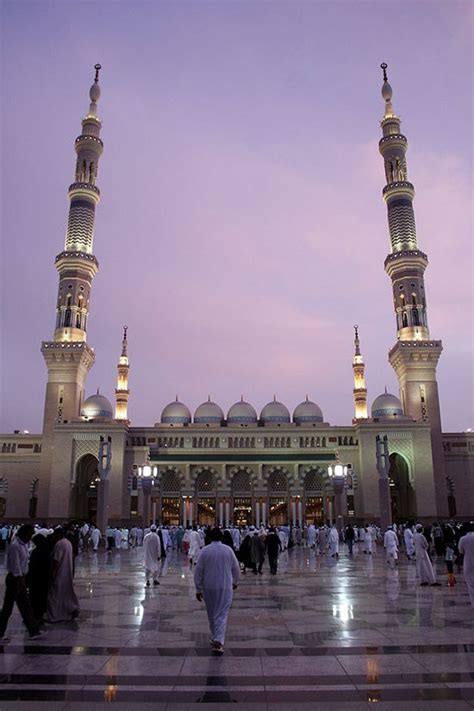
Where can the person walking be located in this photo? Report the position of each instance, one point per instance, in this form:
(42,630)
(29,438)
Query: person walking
(39,570)
(466,548)
(216,576)
(63,604)
(257,552)
(424,567)
(273,549)
(350,535)
(333,540)
(151,556)
(15,584)
(390,542)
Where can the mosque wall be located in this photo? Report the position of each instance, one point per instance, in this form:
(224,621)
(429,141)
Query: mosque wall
(458,449)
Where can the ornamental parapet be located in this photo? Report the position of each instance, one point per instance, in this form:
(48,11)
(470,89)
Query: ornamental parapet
(399,186)
(406,254)
(80,187)
(397,137)
(419,350)
(90,258)
(85,138)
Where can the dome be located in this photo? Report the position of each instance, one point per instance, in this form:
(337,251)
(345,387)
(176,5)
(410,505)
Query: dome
(275,412)
(175,413)
(387,405)
(208,413)
(242,413)
(307,412)
(96,406)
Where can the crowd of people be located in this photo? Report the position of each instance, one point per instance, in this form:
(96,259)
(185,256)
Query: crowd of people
(40,562)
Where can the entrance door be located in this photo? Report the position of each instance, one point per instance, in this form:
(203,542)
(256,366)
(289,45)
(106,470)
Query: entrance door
(242,511)
(278,511)
(83,502)
(206,512)
(170,511)
(314,510)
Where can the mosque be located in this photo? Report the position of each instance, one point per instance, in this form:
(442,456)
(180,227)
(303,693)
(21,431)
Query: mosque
(241,466)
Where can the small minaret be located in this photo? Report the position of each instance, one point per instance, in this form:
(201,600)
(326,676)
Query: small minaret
(122,392)
(360,391)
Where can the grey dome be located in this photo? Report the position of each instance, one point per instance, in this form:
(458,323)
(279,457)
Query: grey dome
(176,413)
(97,406)
(208,413)
(387,405)
(242,413)
(307,412)
(275,412)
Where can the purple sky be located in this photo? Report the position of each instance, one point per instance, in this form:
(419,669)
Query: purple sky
(242,231)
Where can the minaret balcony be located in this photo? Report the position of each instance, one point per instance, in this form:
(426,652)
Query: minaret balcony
(88,139)
(87,190)
(393,138)
(400,187)
(406,259)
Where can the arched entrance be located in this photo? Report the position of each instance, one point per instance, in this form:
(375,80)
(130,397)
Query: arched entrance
(278,498)
(242,498)
(402,493)
(314,497)
(206,498)
(170,499)
(83,503)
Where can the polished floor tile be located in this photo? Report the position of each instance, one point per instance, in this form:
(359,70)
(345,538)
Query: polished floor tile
(321,635)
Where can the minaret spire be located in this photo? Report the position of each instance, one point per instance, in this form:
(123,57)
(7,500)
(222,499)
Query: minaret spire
(415,356)
(122,392)
(67,356)
(359,391)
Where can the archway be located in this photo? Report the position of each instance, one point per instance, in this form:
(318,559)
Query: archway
(278,498)
(83,503)
(242,498)
(402,492)
(206,487)
(314,497)
(170,499)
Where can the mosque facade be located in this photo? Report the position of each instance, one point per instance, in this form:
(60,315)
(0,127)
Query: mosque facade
(241,466)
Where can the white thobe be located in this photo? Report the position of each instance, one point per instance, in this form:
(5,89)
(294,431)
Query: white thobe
(367,541)
(466,547)
(216,572)
(390,542)
(409,545)
(235,533)
(311,536)
(151,552)
(333,541)
(166,537)
(194,546)
(118,538)
(424,568)
(95,538)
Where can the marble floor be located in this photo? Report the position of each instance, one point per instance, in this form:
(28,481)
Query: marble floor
(322,634)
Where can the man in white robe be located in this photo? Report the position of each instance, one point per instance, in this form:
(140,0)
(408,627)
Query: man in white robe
(311,536)
(118,538)
(139,536)
(95,539)
(390,542)
(424,568)
(63,604)
(235,533)
(195,545)
(151,556)
(466,548)
(409,544)
(216,577)
(368,541)
(333,540)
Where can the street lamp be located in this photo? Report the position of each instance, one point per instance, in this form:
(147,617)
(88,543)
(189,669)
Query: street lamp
(337,474)
(146,476)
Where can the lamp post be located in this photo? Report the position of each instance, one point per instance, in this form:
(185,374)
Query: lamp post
(383,466)
(337,473)
(105,465)
(146,476)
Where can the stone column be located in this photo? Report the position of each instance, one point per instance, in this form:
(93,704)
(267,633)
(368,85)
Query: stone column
(221,514)
(257,513)
(227,513)
(264,513)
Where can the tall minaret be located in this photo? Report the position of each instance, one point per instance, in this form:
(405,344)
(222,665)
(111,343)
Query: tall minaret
(415,356)
(68,357)
(122,392)
(360,391)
